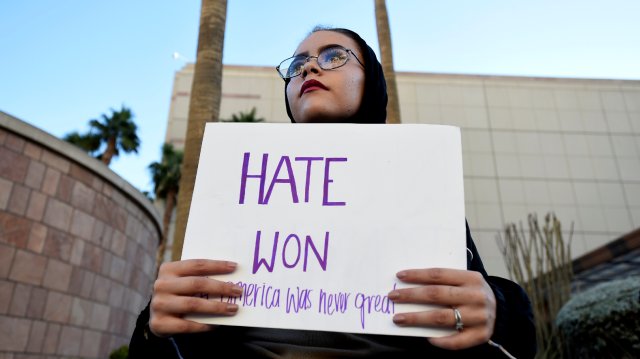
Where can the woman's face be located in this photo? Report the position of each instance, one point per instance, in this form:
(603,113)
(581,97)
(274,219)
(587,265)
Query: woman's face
(339,94)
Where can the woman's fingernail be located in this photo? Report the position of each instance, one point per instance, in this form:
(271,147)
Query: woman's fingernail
(232,308)
(401,274)
(399,319)
(394,295)
(236,290)
(232,265)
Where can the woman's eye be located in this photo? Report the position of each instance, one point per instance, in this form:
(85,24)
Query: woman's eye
(296,65)
(334,56)
(336,59)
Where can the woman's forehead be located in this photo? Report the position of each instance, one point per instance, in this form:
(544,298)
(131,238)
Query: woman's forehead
(321,39)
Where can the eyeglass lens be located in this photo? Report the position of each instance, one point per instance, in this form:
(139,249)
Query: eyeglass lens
(328,59)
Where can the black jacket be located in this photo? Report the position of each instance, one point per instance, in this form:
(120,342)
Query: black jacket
(514,330)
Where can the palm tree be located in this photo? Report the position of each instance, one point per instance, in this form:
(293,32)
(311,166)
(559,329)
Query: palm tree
(117,132)
(384,40)
(204,105)
(245,117)
(166,182)
(90,143)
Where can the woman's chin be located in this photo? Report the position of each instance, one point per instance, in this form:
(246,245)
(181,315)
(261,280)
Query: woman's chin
(323,115)
(321,119)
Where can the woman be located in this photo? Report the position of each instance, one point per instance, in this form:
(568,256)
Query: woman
(335,77)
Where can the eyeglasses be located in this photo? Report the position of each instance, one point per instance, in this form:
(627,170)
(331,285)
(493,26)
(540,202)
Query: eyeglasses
(328,59)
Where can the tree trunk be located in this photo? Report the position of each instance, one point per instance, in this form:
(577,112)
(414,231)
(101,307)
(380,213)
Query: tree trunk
(166,220)
(384,40)
(204,106)
(107,155)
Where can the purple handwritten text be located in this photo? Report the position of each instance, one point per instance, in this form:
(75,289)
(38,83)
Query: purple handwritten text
(298,300)
(255,295)
(330,303)
(288,247)
(288,178)
(373,303)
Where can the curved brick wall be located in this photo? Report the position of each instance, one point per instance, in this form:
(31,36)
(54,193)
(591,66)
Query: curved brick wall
(77,249)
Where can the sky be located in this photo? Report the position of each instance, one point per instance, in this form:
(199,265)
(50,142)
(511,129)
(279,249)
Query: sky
(65,62)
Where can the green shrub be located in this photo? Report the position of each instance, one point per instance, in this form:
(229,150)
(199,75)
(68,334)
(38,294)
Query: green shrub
(604,321)
(120,353)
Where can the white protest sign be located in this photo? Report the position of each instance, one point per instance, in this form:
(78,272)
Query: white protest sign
(321,217)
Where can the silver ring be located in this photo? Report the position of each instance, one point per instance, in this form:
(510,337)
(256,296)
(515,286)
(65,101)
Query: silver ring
(459,324)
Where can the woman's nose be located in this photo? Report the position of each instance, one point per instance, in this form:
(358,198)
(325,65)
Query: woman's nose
(311,65)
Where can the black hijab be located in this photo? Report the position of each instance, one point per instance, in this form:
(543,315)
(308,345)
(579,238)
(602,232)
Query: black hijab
(373,108)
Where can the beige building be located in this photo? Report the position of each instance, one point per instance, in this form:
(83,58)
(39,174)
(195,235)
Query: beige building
(571,146)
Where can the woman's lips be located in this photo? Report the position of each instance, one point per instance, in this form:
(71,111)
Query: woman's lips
(311,85)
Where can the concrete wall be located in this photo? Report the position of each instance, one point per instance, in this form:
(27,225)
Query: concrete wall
(77,249)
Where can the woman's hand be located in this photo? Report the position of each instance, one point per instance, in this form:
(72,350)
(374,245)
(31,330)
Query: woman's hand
(175,290)
(451,288)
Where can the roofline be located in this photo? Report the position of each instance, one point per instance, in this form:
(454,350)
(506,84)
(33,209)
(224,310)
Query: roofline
(465,76)
(607,252)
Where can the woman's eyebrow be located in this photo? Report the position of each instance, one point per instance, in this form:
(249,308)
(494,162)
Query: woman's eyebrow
(320,49)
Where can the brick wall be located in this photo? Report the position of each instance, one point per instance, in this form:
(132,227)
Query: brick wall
(77,251)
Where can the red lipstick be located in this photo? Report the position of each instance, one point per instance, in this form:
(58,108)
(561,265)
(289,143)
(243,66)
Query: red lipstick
(311,85)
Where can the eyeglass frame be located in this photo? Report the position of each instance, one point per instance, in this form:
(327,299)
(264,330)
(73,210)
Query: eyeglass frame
(307,58)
